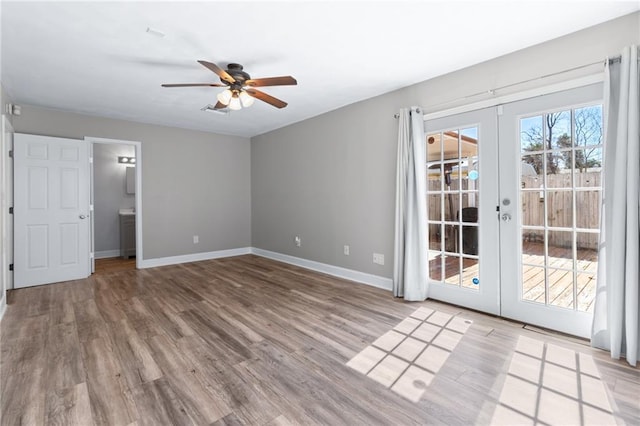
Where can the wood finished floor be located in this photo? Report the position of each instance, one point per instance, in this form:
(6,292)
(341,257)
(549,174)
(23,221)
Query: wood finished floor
(115,264)
(247,340)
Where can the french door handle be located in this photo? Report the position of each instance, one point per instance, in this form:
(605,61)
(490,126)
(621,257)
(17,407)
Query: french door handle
(82,216)
(506,217)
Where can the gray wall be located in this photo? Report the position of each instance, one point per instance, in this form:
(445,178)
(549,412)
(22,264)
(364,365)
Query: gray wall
(4,100)
(193,183)
(331,179)
(110,195)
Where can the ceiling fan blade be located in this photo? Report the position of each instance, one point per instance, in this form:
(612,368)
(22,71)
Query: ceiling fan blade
(221,73)
(219,105)
(195,85)
(267,98)
(285,80)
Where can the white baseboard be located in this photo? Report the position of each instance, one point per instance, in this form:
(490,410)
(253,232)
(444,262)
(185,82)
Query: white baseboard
(195,257)
(107,253)
(336,271)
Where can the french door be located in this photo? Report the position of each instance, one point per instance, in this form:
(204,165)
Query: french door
(550,161)
(513,208)
(462,192)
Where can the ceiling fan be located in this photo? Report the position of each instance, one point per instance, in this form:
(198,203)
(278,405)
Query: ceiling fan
(239,85)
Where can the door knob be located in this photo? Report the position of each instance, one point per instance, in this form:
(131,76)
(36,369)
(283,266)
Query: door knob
(82,216)
(506,217)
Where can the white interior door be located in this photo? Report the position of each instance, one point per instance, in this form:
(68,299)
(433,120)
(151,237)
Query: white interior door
(462,194)
(550,165)
(51,226)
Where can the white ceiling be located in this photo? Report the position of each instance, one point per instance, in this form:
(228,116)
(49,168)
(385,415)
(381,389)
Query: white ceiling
(97,58)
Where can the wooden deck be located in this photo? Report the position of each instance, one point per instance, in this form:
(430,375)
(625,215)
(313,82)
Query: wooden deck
(560,276)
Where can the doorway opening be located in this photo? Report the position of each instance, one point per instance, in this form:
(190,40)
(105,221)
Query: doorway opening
(116,235)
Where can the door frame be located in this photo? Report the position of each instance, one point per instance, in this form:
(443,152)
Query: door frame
(499,102)
(6,220)
(138,195)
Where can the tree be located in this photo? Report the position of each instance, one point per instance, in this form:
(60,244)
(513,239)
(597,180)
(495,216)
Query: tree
(537,140)
(588,133)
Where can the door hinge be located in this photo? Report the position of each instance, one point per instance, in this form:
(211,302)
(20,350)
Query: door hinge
(10,153)
(90,160)
(498,208)
(500,110)
(11,266)
(10,210)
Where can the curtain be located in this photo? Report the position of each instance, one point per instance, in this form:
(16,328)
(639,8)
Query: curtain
(410,264)
(615,321)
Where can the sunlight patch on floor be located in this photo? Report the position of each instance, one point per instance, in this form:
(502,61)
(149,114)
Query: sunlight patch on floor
(550,384)
(407,358)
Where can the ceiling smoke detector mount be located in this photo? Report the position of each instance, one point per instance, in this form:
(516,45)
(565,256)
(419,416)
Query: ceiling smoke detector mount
(155,32)
(212,108)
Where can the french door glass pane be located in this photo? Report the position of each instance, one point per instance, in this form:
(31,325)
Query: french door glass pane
(452,270)
(434,206)
(560,249)
(532,208)
(588,210)
(561,287)
(557,130)
(561,160)
(558,169)
(533,278)
(470,273)
(586,284)
(452,206)
(588,126)
(587,251)
(559,208)
(533,250)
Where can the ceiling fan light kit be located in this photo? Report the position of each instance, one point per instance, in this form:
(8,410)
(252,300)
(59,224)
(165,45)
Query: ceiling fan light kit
(237,95)
(234,103)
(225,96)
(246,99)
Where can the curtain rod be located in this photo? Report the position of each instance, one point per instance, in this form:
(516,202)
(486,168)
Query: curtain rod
(612,60)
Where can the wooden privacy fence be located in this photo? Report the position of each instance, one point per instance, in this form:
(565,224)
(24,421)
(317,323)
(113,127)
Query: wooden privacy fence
(558,202)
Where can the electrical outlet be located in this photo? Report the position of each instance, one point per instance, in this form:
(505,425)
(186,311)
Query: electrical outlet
(196,239)
(298,241)
(378,258)
(346,250)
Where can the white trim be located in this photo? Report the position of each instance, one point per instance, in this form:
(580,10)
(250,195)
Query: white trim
(3,305)
(518,96)
(336,271)
(195,257)
(92,219)
(138,147)
(6,219)
(107,254)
